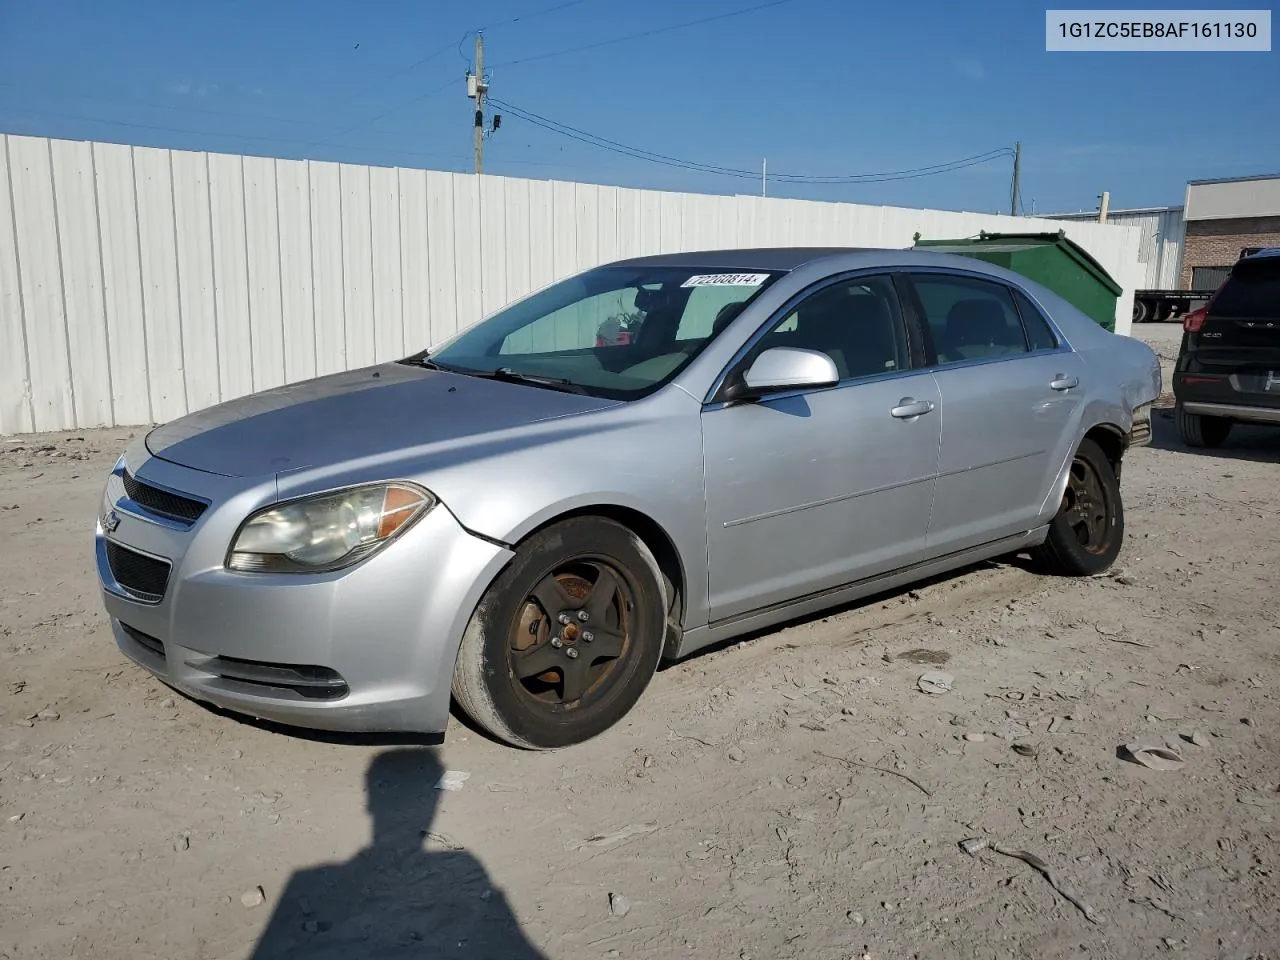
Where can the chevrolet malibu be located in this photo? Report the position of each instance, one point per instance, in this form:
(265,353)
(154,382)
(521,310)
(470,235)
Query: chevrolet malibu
(527,519)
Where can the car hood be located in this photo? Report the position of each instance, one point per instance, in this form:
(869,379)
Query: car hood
(360,413)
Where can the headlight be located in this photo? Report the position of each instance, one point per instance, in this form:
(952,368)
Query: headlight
(328,531)
(107,504)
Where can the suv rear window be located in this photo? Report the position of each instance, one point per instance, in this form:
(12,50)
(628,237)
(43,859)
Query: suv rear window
(1252,290)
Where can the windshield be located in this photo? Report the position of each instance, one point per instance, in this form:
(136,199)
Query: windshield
(618,332)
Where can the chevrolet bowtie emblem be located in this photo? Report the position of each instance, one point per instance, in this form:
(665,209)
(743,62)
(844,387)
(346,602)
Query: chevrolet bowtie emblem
(111,521)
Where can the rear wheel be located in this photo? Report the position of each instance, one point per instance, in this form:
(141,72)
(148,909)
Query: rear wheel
(566,638)
(1086,535)
(1141,311)
(1197,430)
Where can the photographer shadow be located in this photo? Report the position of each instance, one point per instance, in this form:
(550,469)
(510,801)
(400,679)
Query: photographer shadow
(409,893)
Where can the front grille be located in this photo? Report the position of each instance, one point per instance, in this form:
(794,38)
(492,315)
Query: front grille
(162,502)
(142,576)
(144,640)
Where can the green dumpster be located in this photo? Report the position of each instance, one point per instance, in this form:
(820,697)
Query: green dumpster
(1049,259)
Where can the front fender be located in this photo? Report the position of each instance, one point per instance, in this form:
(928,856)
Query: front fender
(647,460)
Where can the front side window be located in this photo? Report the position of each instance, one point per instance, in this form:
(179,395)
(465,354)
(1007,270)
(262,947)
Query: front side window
(969,319)
(616,332)
(857,323)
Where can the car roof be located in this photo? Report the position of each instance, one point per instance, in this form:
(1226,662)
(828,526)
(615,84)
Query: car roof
(757,258)
(1263,254)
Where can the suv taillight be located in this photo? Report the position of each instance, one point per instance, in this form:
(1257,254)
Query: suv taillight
(1194,320)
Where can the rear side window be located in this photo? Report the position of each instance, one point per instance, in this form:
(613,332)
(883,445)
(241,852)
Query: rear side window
(1252,290)
(969,319)
(1039,333)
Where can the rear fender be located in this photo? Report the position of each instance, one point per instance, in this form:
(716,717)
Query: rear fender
(1049,506)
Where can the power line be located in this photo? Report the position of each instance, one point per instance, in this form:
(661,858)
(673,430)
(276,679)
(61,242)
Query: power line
(161,128)
(640,153)
(183,107)
(644,33)
(386,113)
(535,13)
(124,101)
(212,133)
(451,45)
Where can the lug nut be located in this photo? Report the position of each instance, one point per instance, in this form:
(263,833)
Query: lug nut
(587,636)
(557,642)
(583,616)
(564,618)
(571,653)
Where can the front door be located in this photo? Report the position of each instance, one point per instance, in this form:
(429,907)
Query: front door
(813,489)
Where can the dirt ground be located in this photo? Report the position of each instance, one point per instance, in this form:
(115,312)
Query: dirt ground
(795,795)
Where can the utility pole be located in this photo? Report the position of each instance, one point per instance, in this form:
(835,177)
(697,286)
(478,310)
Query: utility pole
(476,90)
(1017,176)
(1103,202)
(764,177)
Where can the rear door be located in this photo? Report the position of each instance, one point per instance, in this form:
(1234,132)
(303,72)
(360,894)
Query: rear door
(1010,394)
(1239,342)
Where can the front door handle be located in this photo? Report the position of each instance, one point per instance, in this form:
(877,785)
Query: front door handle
(1063,382)
(909,408)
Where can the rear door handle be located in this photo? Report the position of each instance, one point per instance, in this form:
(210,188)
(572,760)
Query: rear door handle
(909,408)
(1063,382)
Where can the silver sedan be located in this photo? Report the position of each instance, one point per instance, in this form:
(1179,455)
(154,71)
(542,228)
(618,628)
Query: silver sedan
(530,517)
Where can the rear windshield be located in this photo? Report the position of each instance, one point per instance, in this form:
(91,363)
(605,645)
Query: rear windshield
(1252,290)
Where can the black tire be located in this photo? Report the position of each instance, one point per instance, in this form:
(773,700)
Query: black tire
(1141,311)
(564,697)
(1086,534)
(1197,430)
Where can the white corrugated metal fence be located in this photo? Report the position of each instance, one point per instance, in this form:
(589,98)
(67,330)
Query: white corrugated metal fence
(138,284)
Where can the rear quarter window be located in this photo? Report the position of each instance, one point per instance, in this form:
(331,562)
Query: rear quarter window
(1039,333)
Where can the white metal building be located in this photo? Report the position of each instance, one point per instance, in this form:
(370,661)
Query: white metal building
(1161,244)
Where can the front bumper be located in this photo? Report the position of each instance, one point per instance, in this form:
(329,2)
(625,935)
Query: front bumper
(369,648)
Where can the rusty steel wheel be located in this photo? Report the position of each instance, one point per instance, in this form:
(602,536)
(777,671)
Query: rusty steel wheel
(1086,535)
(571,632)
(566,638)
(1085,507)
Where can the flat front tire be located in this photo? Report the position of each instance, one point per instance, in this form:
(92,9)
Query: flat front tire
(1197,430)
(566,638)
(1086,534)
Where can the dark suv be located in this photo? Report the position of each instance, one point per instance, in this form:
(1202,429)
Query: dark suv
(1228,368)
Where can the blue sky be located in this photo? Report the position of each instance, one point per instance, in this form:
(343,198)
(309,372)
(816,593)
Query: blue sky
(824,87)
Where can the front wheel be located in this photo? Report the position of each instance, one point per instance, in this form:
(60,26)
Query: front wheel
(566,638)
(1086,534)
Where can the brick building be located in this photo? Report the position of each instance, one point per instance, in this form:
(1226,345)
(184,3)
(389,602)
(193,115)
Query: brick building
(1222,218)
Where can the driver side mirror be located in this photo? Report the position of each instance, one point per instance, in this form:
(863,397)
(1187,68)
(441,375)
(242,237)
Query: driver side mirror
(783,369)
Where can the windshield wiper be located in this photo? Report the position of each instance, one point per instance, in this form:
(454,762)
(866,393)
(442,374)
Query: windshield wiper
(514,376)
(422,359)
